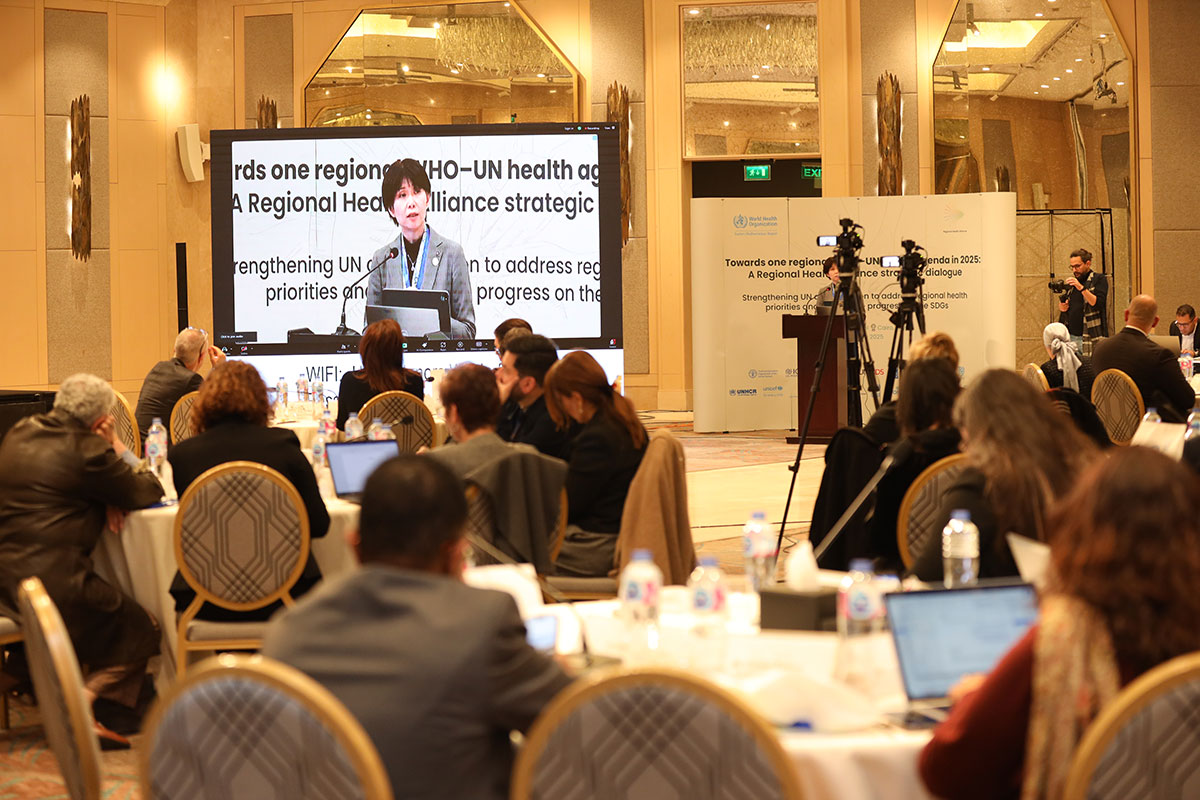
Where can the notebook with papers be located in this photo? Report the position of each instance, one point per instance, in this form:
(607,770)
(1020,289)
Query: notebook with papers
(942,635)
(351,463)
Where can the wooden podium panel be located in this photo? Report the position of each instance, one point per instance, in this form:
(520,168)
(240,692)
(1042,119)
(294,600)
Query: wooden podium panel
(829,411)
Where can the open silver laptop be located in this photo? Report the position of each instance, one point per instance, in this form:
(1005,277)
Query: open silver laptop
(351,463)
(942,635)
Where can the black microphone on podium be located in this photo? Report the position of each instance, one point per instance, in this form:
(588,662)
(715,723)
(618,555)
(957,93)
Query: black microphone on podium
(342,330)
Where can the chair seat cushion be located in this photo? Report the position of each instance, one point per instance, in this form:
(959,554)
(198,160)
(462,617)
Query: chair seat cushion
(199,630)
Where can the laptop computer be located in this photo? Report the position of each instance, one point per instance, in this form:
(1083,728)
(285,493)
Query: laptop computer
(942,635)
(351,463)
(421,313)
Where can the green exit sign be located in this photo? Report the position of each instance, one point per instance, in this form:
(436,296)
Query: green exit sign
(812,172)
(758,172)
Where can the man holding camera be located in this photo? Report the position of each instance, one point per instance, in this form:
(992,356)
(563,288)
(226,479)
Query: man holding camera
(1081,307)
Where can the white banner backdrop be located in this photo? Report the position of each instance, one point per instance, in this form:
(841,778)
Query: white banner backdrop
(756,259)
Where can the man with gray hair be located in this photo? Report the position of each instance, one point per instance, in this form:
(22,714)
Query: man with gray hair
(170,380)
(1152,367)
(63,476)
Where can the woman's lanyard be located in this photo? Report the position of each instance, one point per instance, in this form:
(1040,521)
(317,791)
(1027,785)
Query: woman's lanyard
(408,281)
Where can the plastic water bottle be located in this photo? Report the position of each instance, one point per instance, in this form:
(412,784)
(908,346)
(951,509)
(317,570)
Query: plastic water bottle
(374,428)
(960,551)
(302,388)
(758,548)
(706,586)
(318,450)
(1193,428)
(327,426)
(281,393)
(385,432)
(1185,365)
(156,443)
(1151,415)
(860,614)
(317,388)
(354,427)
(640,594)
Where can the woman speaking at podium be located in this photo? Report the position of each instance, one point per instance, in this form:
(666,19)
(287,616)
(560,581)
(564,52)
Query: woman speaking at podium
(423,259)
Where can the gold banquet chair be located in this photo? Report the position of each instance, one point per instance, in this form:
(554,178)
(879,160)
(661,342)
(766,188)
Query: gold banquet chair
(1146,742)
(1119,405)
(411,419)
(1033,373)
(481,522)
(10,634)
(180,426)
(126,424)
(58,682)
(241,542)
(249,728)
(638,734)
(918,519)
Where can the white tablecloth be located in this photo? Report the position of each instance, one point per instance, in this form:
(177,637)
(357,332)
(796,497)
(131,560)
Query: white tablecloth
(141,561)
(306,430)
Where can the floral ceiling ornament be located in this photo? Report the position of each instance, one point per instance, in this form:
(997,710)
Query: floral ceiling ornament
(735,43)
(504,46)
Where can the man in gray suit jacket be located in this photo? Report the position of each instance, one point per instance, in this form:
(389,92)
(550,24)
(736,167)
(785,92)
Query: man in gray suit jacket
(437,672)
(170,380)
(423,259)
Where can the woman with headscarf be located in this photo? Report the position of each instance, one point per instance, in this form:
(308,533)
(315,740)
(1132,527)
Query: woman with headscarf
(1066,368)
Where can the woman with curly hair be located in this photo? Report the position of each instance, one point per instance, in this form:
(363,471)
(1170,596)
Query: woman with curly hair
(1120,599)
(230,416)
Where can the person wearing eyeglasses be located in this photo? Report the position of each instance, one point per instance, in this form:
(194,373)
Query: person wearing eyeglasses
(170,380)
(1184,327)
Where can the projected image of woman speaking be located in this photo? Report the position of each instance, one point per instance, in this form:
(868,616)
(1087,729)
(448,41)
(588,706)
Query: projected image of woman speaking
(423,258)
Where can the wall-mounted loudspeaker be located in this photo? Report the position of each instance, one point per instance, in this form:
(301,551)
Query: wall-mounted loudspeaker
(192,152)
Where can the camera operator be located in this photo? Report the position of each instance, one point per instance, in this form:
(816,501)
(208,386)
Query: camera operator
(1082,306)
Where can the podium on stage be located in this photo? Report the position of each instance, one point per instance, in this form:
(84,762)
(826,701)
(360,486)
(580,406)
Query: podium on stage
(829,411)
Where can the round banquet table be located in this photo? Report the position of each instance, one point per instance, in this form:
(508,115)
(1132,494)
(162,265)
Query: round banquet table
(306,430)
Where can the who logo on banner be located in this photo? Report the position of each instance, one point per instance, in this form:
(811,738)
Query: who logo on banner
(739,221)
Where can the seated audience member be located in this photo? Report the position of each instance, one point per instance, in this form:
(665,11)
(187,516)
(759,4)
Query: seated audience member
(928,388)
(523,367)
(64,477)
(381,349)
(603,459)
(170,380)
(882,427)
(230,418)
(507,327)
(437,672)
(470,401)
(1184,327)
(1153,368)
(1125,550)
(1022,454)
(1066,368)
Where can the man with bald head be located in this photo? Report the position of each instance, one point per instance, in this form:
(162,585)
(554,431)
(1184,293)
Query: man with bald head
(170,380)
(1153,368)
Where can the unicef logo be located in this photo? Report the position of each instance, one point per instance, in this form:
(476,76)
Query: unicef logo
(753,373)
(739,221)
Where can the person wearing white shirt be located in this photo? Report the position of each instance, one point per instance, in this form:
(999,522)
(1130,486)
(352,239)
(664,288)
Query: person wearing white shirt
(1184,327)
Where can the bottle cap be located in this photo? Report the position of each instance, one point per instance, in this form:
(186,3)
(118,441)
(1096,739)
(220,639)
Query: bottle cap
(708,561)
(156,421)
(961,513)
(377,419)
(759,515)
(1152,410)
(641,554)
(860,565)
(354,415)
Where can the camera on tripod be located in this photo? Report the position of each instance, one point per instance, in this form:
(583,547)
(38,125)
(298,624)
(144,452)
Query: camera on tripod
(911,266)
(848,243)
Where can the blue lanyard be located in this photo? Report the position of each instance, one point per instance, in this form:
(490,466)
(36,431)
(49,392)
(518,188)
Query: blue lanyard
(421,256)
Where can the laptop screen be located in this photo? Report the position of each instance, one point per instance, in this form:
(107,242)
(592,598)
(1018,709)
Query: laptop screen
(351,463)
(942,635)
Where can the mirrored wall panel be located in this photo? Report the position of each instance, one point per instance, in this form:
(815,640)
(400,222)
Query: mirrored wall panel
(460,63)
(750,80)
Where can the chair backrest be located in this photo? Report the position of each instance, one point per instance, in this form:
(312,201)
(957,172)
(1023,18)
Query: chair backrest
(655,517)
(1119,404)
(411,419)
(1146,742)
(241,536)
(249,728)
(649,734)
(1033,373)
(918,517)
(560,533)
(66,713)
(181,418)
(126,425)
(516,502)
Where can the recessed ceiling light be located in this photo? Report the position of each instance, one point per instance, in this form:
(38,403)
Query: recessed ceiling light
(349,69)
(404,67)
(1070,70)
(541,74)
(1038,14)
(766,66)
(326,91)
(339,113)
(436,25)
(1057,78)
(432,101)
(453,71)
(987,69)
(961,136)
(554,91)
(1035,91)
(368,111)
(768,27)
(726,123)
(693,11)
(1120,83)
(368,116)
(1045,86)
(791,124)
(756,77)
(1078,60)
(1104,36)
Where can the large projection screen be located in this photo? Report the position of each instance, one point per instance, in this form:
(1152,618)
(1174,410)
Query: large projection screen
(521,221)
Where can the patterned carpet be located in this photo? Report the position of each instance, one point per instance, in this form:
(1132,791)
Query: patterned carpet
(29,770)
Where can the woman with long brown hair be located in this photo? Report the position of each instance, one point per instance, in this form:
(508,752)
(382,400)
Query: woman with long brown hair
(1120,599)
(603,459)
(382,351)
(1022,454)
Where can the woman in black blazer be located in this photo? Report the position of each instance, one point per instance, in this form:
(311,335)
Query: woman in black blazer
(231,415)
(382,351)
(602,461)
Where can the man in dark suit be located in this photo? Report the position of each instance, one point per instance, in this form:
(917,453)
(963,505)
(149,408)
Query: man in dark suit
(525,360)
(1184,327)
(437,672)
(170,380)
(1153,368)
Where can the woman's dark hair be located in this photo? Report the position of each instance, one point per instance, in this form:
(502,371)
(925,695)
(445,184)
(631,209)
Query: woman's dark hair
(508,326)
(232,391)
(578,372)
(1126,540)
(471,388)
(927,391)
(399,171)
(381,349)
(1029,452)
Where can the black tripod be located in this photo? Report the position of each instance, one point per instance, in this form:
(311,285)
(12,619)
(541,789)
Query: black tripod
(848,296)
(912,304)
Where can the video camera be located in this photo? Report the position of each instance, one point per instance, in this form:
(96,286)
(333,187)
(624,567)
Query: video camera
(848,243)
(911,266)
